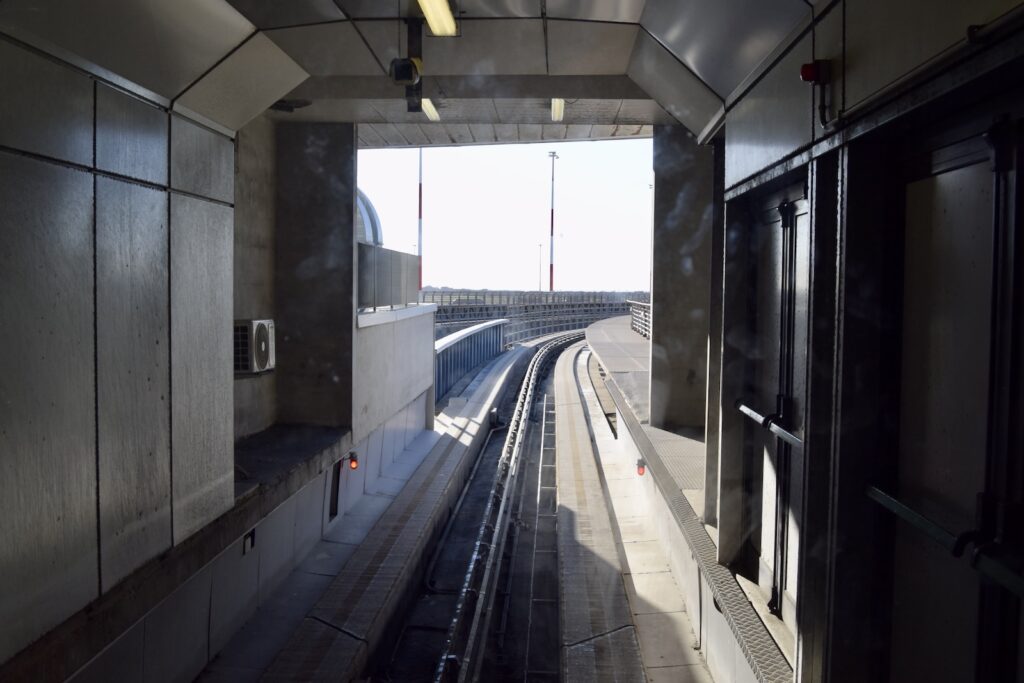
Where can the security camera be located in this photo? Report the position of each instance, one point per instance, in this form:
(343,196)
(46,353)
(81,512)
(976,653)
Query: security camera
(404,71)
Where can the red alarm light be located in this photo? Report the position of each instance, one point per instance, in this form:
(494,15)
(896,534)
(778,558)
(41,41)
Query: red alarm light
(641,467)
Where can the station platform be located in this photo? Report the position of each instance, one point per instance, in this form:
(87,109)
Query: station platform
(736,636)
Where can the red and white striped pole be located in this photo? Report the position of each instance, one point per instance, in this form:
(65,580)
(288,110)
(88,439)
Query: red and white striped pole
(419,239)
(551,257)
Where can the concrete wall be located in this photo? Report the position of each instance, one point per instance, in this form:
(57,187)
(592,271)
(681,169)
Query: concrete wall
(255,216)
(315,272)
(680,278)
(115,289)
(394,363)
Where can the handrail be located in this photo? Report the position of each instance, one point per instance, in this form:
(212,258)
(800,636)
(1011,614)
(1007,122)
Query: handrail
(771,423)
(982,559)
(455,337)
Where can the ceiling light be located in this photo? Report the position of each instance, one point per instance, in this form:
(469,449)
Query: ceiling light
(439,17)
(557,108)
(429,110)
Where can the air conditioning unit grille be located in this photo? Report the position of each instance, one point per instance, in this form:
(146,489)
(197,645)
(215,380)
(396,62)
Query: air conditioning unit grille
(254,346)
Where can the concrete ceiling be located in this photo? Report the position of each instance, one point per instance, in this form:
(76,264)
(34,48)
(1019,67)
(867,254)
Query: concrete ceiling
(627,64)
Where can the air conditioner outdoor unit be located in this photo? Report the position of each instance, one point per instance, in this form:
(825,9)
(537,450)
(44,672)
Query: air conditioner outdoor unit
(254,346)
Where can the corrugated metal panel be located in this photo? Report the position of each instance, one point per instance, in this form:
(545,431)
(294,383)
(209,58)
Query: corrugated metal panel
(160,45)
(512,46)
(134,382)
(242,86)
(597,10)
(201,393)
(675,88)
(722,42)
(275,14)
(589,48)
(328,50)
(45,108)
(48,463)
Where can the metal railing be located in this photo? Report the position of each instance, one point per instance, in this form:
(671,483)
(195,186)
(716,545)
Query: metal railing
(460,352)
(387,278)
(483,297)
(640,318)
(988,558)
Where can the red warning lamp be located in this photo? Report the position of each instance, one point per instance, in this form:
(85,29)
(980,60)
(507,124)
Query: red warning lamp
(353,461)
(641,467)
(815,72)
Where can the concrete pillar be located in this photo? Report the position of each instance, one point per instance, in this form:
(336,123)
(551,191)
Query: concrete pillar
(680,279)
(314,284)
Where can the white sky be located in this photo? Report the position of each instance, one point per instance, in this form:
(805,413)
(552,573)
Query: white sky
(486,208)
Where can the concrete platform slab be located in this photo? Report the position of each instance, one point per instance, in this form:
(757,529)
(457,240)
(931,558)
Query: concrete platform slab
(654,593)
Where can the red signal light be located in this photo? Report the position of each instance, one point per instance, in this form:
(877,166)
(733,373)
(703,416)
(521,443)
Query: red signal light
(641,467)
(353,462)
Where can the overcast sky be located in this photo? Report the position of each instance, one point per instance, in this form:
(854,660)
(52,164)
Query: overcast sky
(486,209)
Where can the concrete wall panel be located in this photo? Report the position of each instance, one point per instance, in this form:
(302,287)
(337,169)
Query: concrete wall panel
(309,503)
(131,136)
(47,412)
(275,538)
(234,598)
(119,661)
(202,162)
(201,374)
(255,396)
(133,378)
(394,363)
(177,633)
(773,120)
(46,108)
(885,42)
(314,264)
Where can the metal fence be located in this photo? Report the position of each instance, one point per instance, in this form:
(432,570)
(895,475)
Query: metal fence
(640,318)
(477,297)
(460,352)
(387,277)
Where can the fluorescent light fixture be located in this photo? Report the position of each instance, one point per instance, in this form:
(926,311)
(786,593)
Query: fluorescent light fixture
(439,17)
(557,108)
(429,110)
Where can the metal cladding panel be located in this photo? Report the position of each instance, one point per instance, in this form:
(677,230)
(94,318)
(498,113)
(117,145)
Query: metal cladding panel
(499,8)
(46,108)
(202,162)
(597,10)
(672,85)
(722,42)
(531,132)
(133,389)
(413,133)
(642,111)
(202,404)
(584,48)
(241,87)
(482,132)
(162,46)
(47,423)
(554,131)
(506,132)
(387,39)
(886,42)
(328,50)
(131,136)
(276,14)
(577,131)
(773,120)
(527,110)
(369,135)
(390,134)
(487,48)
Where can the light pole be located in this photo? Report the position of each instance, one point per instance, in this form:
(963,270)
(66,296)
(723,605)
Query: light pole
(551,260)
(419,239)
(540,267)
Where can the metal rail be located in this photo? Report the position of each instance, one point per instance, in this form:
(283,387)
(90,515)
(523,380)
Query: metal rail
(985,558)
(640,317)
(771,423)
(463,652)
